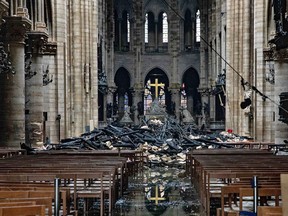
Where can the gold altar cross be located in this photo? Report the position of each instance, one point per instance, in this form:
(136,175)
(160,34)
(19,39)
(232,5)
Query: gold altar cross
(156,198)
(157,85)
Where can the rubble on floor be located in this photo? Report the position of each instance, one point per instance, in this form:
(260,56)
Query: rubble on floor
(164,143)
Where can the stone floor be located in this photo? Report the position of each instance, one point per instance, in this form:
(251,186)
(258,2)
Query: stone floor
(159,191)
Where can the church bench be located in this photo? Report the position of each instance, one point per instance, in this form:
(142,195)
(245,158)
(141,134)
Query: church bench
(135,157)
(79,181)
(262,192)
(205,169)
(45,168)
(269,211)
(48,189)
(17,203)
(234,189)
(23,210)
(8,194)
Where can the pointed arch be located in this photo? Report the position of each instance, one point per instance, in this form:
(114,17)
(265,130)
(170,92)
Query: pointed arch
(149,31)
(123,95)
(188,34)
(190,84)
(161,92)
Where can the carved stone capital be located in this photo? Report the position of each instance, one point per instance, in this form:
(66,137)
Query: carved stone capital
(112,89)
(36,42)
(15,29)
(175,88)
(50,48)
(138,86)
(271,54)
(204,91)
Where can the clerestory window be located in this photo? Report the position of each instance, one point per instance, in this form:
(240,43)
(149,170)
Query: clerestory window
(198,32)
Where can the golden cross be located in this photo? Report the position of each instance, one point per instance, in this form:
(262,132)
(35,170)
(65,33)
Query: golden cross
(157,85)
(156,198)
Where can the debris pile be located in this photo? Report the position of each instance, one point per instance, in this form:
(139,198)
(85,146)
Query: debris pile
(162,142)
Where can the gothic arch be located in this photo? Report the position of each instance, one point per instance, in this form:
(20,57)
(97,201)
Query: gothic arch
(122,30)
(155,6)
(188,31)
(157,76)
(121,6)
(123,95)
(190,84)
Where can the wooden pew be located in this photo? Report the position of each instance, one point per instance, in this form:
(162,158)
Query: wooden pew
(44,168)
(230,165)
(45,201)
(23,210)
(269,211)
(64,191)
(29,194)
(262,192)
(233,189)
(17,203)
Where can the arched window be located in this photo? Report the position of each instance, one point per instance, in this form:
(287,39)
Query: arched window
(162,33)
(149,32)
(125,31)
(188,36)
(183,97)
(165,28)
(146,28)
(198,33)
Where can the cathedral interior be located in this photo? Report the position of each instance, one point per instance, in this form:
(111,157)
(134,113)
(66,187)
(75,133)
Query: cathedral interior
(70,66)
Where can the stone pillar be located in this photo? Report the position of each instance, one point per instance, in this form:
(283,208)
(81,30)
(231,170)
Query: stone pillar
(132,23)
(138,102)
(190,102)
(12,93)
(21,9)
(110,103)
(193,33)
(120,33)
(281,65)
(176,98)
(156,35)
(34,89)
(205,111)
(121,100)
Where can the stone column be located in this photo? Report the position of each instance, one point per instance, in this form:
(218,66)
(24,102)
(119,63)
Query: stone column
(281,64)
(120,33)
(121,100)
(138,102)
(110,103)
(21,9)
(190,102)
(193,33)
(34,89)
(156,35)
(12,93)
(176,98)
